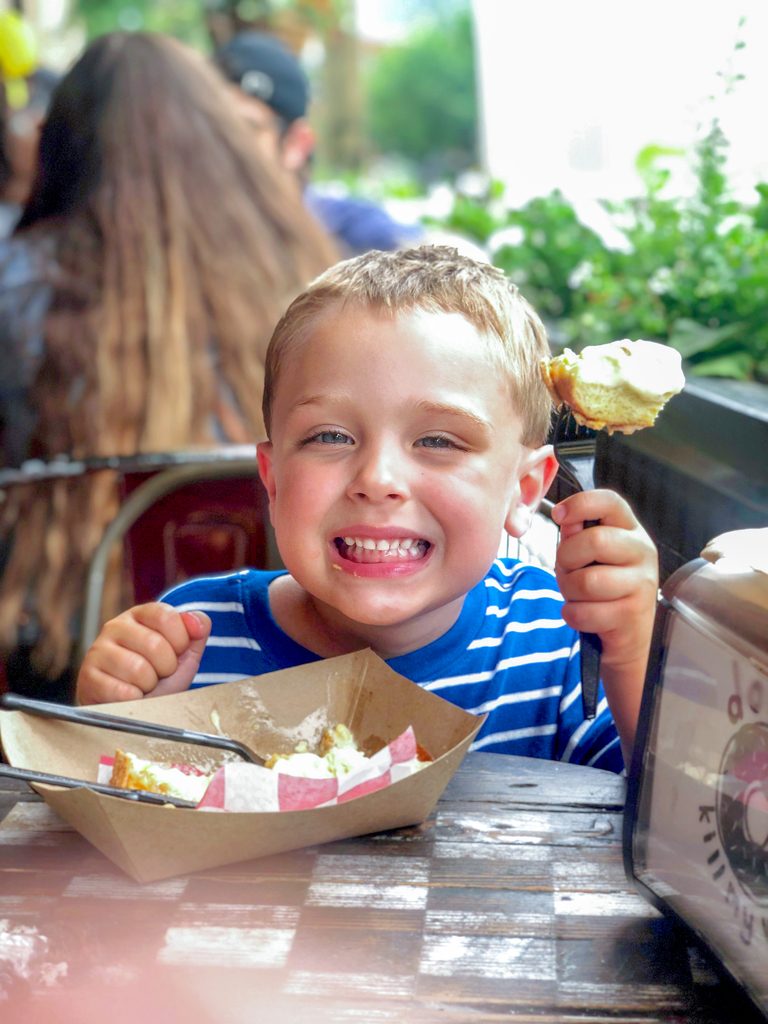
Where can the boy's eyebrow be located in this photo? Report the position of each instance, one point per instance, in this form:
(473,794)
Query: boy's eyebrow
(307,400)
(445,409)
(431,408)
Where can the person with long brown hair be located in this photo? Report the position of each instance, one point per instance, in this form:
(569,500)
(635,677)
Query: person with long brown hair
(137,296)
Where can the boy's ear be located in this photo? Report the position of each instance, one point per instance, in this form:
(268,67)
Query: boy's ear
(264,455)
(538,468)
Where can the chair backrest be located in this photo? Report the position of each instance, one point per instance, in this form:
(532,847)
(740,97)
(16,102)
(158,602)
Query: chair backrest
(209,525)
(181,514)
(186,520)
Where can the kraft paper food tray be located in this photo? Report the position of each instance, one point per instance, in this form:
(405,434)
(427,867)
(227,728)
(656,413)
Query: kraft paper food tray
(270,713)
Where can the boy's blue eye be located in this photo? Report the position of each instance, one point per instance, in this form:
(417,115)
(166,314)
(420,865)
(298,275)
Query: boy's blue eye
(329,437)
(437,441)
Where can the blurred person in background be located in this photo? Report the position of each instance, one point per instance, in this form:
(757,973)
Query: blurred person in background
(153,258)
(9,209)
(273,93)
(25,92)
(19,139)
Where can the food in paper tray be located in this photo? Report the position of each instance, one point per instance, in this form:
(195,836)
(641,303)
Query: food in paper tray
(339,756)
(339,759)
(180,780)
(622,386)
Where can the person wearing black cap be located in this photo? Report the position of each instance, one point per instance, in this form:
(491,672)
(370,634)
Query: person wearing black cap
(273,92)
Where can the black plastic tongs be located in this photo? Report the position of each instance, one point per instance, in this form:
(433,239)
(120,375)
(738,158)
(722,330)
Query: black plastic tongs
(84,716)
(143,796)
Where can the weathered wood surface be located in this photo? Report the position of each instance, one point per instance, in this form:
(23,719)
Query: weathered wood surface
(509,903)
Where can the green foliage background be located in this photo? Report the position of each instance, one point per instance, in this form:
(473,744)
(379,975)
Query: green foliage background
(421,97)
(182,18)
(693,273)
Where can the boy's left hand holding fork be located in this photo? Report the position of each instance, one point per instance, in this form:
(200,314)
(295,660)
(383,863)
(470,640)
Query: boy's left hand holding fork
(608,575)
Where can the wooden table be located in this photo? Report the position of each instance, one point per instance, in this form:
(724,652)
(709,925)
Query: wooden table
(509,903)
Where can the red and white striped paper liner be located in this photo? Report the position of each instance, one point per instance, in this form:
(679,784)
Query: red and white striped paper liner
(241,787)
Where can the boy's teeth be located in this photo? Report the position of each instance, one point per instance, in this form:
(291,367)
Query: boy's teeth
(369,544)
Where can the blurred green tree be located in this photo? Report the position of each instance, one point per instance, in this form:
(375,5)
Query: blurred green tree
(184,19)
(421,97)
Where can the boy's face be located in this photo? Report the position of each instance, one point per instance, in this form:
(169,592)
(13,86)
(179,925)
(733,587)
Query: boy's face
(394,466)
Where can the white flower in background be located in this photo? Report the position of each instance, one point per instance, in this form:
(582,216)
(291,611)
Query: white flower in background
(440,201)
(518,276)
(661,281)
(497,208)
(466,246)
(513,236)
(473,184)
(610,227)
(406,211)
(736,220)
(580,274)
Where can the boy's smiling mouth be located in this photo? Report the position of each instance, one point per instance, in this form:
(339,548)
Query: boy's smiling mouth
(372,550)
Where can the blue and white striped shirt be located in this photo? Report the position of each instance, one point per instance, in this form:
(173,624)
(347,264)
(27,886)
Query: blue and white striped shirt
(509,654)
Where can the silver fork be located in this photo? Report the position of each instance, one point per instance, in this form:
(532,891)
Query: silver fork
(85,716)
(575,452)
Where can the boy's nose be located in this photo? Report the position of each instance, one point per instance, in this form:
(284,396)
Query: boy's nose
(380,474)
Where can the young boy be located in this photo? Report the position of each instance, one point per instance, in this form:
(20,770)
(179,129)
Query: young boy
(407,416)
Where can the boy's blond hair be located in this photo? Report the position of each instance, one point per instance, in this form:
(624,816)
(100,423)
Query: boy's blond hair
(435,279)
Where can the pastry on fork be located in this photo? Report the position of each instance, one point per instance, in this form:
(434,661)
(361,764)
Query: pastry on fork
(620,387)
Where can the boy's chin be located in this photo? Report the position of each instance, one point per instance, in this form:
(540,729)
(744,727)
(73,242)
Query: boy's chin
(399,621)
(375,618)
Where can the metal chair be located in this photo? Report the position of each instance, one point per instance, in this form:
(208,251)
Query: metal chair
(183,521)
(181,514)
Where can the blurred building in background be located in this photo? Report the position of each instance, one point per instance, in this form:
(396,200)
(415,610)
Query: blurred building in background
(569,93)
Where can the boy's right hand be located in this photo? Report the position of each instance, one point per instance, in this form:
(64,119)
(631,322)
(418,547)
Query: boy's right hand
(150,650)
